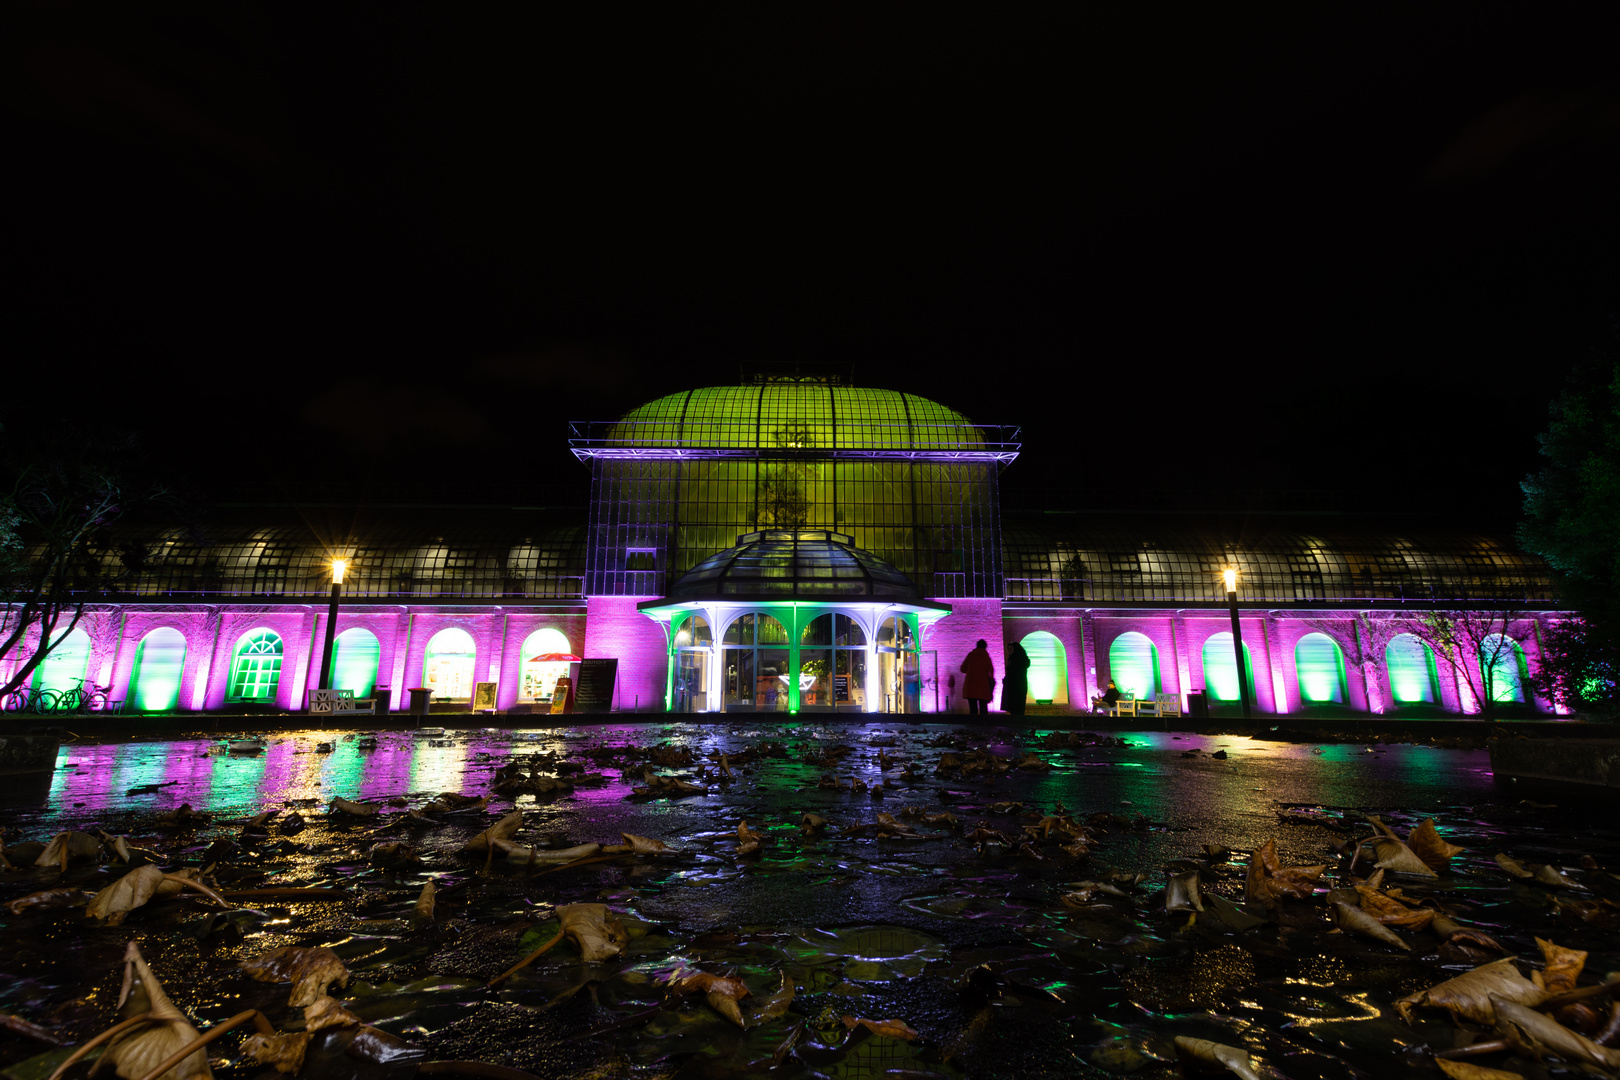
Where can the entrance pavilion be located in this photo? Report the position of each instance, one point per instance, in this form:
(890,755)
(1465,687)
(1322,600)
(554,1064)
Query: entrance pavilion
(795,620)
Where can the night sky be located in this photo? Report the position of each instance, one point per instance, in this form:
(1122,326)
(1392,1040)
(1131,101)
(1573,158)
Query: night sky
(395,248)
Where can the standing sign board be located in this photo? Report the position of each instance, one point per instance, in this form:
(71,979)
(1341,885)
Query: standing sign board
(593,688)
(562,696)
(483,696)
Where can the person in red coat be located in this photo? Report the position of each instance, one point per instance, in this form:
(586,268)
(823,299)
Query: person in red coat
(980,682)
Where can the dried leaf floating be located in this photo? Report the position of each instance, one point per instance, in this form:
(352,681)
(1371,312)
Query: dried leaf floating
(636,845)
(1554,877)
(1470,994)
(47,899)
(1238,1062)
(1393,855)
(774,1006)
(1232,915)
(1355,920)
(425,903)
(136,1053)
(1426,843)
(69,847)
(720,991)
(325,1012)
(891,1029)
(310,971)
(1181,892)
(285,1052)
(1269,881)
(358,809)
(1542,1034)
(1391,912)
(1467,1070)
(504,829)
(524,853)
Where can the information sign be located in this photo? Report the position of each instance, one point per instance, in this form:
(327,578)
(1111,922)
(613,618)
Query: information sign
(483,696)
(594,691)
(560,695)
(841,687)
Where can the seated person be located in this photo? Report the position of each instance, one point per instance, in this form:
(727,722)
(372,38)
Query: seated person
(1104,701)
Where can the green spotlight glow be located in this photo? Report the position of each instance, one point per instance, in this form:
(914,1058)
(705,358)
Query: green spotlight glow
(1320,667)
(159,663)
(1133,663)
(1048,667)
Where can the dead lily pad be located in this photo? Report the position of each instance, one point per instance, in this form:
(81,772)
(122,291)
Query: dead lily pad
(285,1052)
(129,892)
(504,829)
(636,845)
(1467,1070)
(1470,995)
(47,899)
(1356,921)
(358,809)
(1426,844)
(722,992)
(142,1049)
(325,1012)
(595,929)
(1543,1035)
(310,971)
(69,847)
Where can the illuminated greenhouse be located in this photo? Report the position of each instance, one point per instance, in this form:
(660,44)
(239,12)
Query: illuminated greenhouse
(802,545)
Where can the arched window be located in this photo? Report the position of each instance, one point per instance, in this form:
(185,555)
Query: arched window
(1048,669)
(756,664)
(256,666)
(160,660)
(67,662)
(1133,664)
(1502,661)
(545,654)
(1319,665)
(1413,679)
(448,666)
(1220,670)
(832,665)
(355,655)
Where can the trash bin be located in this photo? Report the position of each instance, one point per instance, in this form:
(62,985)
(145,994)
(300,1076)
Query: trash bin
(1197,705)
(381,700)
(420,696)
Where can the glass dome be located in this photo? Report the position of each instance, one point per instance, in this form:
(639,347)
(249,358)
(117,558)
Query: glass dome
(780,564)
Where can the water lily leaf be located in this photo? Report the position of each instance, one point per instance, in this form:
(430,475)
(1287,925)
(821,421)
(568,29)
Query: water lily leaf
(126,894)
(325,1012)
(285,1052)
(1542,1034)
(1427,845)
(1354,920)
(504,829)
(1511,866)
(748,840)
(1467,1070)
(1391,912)
(117,847)
(140,1050)
(1269,881)
(69,847)
(893,1029)
(1238,1062)
(595,929)
(310,971)
(1181,892)
(1470,994)
(425,902)
(358,809)
(48,898)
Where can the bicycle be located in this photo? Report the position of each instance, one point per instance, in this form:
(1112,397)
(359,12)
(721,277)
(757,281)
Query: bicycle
(32,700)
(83,699)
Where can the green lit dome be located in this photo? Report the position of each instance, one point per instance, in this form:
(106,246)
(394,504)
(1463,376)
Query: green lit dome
(795,416)
(788,564)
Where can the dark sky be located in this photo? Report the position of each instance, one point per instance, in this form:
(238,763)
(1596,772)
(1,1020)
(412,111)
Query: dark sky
(1245,247)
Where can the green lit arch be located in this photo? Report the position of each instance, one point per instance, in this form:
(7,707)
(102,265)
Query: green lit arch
(256,666)
(160,662)
(1133,664)
(1220,669)
(1048,668)
(1319,668)
(356,655)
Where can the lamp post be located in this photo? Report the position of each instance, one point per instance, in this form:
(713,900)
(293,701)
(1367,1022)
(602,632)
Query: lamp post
(338,567)
(1230,573)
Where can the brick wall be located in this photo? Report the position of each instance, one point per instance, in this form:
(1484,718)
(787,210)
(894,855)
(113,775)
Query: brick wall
(614,628)
(953,637)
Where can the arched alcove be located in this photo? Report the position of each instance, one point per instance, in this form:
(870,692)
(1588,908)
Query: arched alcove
(447,668)
(160,661)
(1319,666)
(1133,664)
(1048,668)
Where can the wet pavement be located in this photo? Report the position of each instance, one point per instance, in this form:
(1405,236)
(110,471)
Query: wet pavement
(959,929)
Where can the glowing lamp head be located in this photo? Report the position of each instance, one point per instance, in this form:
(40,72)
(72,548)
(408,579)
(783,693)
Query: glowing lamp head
(338,568)
(1230,574)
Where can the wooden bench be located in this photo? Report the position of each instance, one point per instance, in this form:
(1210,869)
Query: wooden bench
(1168,704)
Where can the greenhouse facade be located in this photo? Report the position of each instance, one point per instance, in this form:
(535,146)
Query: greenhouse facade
(801,545)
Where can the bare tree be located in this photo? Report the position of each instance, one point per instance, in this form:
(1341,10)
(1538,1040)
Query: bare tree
(1367,642)
(1475,645)
(54,550)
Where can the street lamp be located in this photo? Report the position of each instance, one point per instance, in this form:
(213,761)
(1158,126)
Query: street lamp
(1230,573)
(338,567)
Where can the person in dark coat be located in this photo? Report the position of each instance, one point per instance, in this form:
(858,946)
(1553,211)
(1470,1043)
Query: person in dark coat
(980,682)
(1015,687)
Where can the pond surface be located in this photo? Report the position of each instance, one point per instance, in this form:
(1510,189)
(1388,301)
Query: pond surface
(957,929)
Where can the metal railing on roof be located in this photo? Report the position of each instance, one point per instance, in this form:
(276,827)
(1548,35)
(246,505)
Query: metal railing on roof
(920,439)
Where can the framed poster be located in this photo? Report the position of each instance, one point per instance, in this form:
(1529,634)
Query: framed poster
(483,696)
